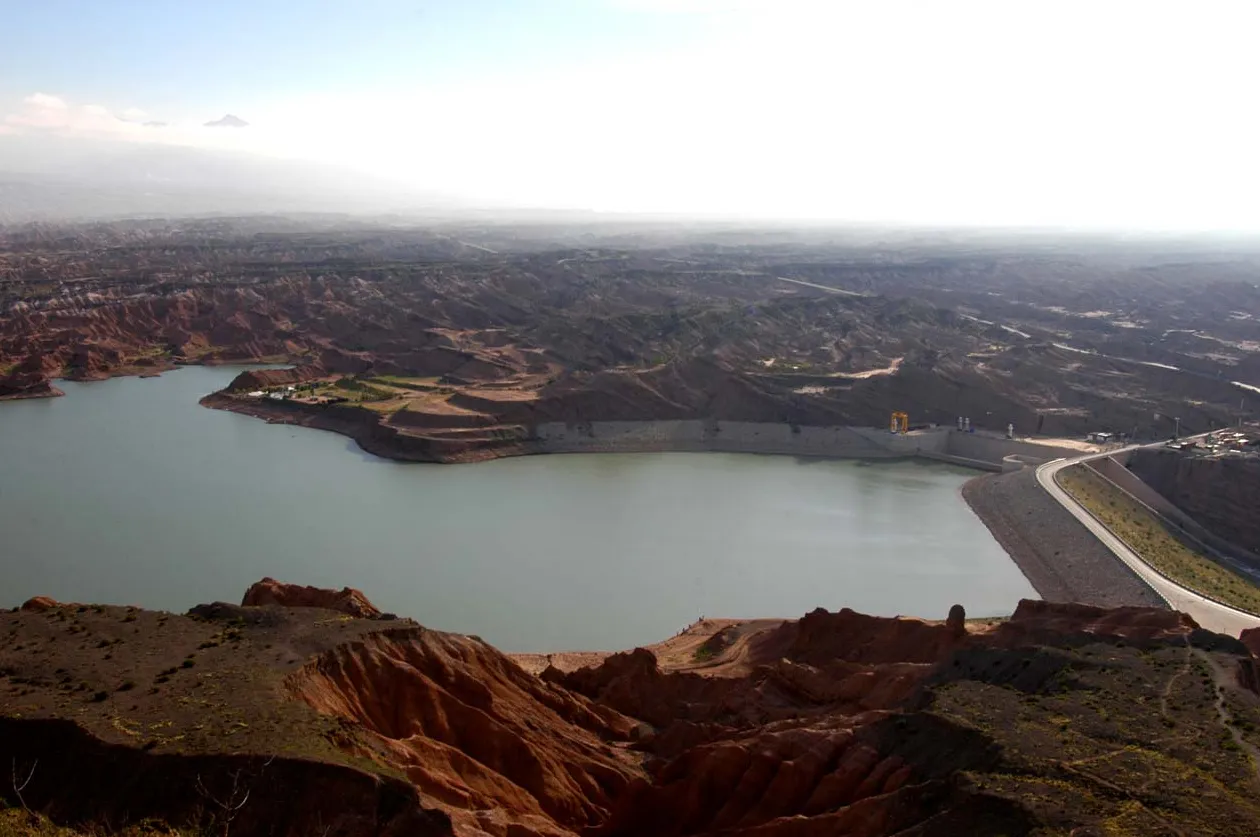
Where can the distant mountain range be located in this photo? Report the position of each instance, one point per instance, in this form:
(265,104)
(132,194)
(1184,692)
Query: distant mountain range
(121,180)
(227,121)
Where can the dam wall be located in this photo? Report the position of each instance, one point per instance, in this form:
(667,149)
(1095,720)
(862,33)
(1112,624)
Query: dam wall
(943,444)
(702,435)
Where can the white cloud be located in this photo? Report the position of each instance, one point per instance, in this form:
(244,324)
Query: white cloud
(43,101)
(964,112)
(41,113)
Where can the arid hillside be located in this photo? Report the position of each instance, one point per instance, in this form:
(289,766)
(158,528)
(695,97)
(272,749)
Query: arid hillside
(1220,493)
(296,720)
(471,333)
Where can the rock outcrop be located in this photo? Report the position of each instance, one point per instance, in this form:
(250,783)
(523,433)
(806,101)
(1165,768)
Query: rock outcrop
(1221,494)
(498,749)
(834,724)
(346,600)
(1039,621)
(32,378)
(38,604)
(253,379)
(1251,639)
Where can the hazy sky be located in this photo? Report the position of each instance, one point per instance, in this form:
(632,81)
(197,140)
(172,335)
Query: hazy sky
(1020,112)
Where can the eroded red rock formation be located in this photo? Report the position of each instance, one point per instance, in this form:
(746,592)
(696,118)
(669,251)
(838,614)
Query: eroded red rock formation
(834,724)
(346,600)
(499,749)
(813,732)
(39,604)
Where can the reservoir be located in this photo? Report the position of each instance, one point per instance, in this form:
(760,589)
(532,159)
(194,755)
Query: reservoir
(128,492)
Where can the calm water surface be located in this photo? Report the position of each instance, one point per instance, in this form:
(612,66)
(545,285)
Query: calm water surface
(127,491)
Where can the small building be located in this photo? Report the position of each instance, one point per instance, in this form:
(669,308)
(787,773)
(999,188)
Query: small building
(1100,438)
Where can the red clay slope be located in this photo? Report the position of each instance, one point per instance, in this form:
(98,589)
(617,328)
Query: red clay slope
(346,600)
(813,732)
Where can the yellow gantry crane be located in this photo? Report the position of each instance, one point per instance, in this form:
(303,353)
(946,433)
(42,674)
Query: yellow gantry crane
(900,423)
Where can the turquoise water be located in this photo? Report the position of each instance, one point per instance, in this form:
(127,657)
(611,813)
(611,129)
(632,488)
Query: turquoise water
(126,491)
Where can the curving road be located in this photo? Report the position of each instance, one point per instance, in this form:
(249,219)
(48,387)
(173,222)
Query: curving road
(1209,614)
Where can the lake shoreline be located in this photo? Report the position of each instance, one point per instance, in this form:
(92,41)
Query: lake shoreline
(365,428)
(401,437)
(130,491)
(378,438)
(50,392)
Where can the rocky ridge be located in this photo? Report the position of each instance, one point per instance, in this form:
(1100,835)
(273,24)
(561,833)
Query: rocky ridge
(450,342)
(346,600)
(1063,719)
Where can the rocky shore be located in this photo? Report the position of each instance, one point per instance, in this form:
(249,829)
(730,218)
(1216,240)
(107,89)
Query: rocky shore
(401,437)
(1062,560)
(46,391)
(370,433)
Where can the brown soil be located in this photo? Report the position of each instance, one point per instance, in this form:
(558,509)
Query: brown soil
(1064,718)
(634,325)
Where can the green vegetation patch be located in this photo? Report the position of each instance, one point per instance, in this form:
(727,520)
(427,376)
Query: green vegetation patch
(401,382)
(353,390)
(1146,535)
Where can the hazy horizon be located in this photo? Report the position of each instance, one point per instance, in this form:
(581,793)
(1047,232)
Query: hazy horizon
(1119,116)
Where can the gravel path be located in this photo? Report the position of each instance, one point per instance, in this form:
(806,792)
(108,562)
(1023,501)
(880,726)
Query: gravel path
(1062,560)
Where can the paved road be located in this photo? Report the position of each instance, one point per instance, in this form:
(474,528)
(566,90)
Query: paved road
(840,291)
(1209,614)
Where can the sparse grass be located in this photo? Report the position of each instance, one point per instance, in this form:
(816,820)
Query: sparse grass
(391,405)
(1150,539)
(401,382)
(1089,744)
(14,822)
(359,390)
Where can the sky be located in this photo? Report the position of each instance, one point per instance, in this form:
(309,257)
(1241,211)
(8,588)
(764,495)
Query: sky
(1109,114)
